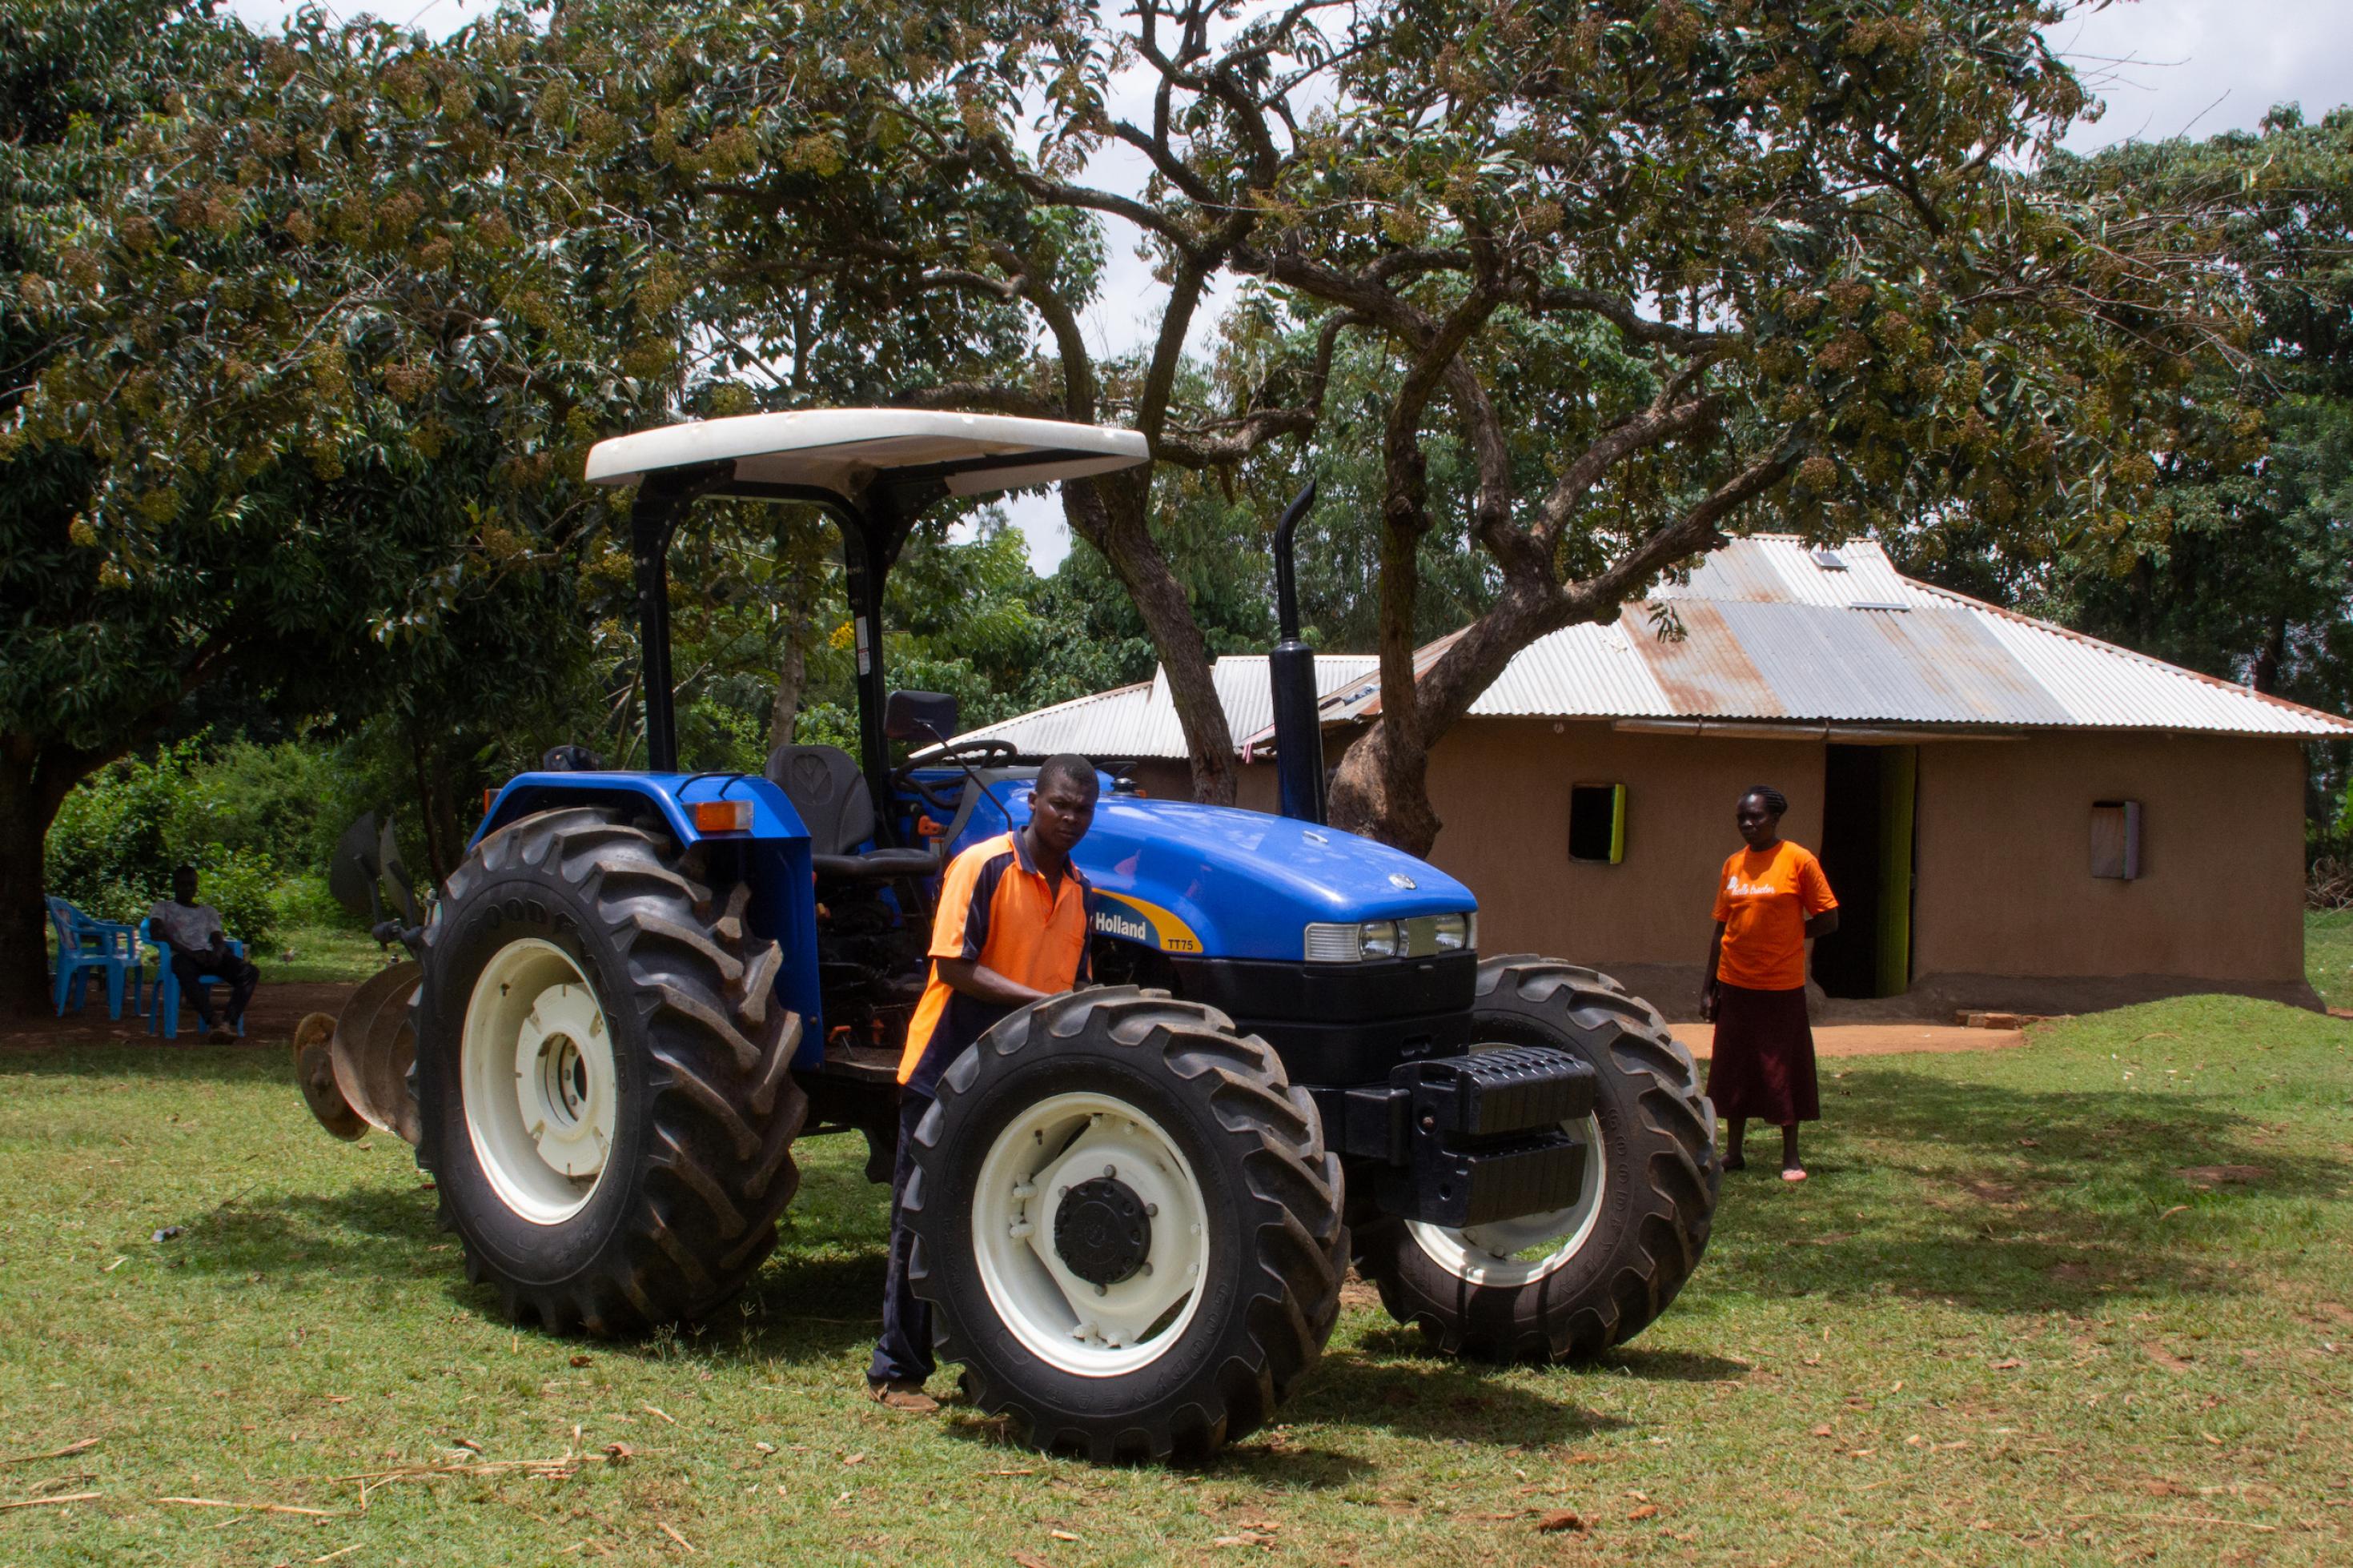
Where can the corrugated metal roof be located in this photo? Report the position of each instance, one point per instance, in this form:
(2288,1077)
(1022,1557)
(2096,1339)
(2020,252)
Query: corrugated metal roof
(1591,658)
(1769,635)
(1777,569)
(1099,725)
(1140,720)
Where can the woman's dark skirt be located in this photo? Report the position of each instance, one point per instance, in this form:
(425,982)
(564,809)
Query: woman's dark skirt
(1763,1065)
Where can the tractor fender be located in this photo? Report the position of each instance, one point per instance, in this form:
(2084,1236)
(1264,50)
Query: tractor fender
(674,796)
(771,857)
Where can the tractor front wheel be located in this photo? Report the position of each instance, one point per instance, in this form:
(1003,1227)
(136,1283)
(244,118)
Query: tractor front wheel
(1569,1284)
(1128,1224)
(603,1075)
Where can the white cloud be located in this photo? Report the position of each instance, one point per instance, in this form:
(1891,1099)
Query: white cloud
(2197,68)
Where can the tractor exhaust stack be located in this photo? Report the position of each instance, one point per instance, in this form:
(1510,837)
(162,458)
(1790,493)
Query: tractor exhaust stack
(1291,671)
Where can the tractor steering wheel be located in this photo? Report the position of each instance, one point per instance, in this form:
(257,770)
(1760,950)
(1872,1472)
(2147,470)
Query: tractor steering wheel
(985,751)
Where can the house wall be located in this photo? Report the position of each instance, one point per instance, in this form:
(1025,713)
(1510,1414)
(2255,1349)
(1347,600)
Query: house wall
(2006,911)
(2004,883)
(1501,787)
(1256,790)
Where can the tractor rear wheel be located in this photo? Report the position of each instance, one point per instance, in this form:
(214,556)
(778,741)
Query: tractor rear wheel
(1127,1224)
(603,1075)
(1570,1284)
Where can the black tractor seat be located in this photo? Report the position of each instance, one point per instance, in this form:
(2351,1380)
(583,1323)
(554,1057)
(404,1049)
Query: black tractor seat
(826,787)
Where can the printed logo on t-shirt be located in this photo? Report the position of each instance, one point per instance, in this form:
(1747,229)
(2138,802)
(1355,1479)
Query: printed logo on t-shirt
(1740,887)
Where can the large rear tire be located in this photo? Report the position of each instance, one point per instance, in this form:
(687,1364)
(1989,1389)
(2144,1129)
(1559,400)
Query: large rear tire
(1127,1225)
(1568,1286)
(603,1075)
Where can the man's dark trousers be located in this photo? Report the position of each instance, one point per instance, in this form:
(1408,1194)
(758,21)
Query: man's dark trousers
(903,1354)
(241,976)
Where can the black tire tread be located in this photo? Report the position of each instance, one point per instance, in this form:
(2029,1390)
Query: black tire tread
(1293,1181)
(1621,1033)
(724,1107)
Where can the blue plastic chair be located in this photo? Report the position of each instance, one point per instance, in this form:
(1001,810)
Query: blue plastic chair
(85,945)
(164,1017)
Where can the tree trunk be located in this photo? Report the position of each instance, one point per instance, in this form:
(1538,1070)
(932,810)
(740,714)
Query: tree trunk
(792,673)
(24,827)
(33,782)
(1382,790)
(1383,787)
(2273,654)
(1111,514)
(429,820)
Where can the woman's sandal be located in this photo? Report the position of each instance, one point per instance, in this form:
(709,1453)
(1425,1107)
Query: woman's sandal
(1793,1173)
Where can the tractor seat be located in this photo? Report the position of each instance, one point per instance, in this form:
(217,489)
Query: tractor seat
(825,787)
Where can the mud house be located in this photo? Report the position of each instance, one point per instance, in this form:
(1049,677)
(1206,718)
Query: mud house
(2012,814)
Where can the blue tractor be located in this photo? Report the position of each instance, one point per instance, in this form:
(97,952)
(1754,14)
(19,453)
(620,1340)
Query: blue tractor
(1135,1204)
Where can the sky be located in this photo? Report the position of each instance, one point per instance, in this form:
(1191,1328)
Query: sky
(2164,67)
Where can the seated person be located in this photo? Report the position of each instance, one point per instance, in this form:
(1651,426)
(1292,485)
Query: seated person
(192,935)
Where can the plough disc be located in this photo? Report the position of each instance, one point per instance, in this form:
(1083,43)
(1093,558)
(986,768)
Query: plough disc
(375,1043)
(315,1072)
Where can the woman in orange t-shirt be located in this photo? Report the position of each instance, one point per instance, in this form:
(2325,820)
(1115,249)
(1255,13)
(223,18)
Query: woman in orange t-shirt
(1770,899)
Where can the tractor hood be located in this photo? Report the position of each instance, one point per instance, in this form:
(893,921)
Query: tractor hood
(1241,884)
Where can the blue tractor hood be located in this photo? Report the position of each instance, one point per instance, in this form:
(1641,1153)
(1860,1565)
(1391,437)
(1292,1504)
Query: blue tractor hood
(1227,883)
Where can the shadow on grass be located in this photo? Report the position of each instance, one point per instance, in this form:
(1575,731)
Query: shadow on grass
(2006,1200)
(1430,1401)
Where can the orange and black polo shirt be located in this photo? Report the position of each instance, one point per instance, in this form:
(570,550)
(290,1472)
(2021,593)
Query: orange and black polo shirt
(995,906)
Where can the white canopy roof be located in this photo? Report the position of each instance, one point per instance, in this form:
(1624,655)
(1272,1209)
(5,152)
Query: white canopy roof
(844,449)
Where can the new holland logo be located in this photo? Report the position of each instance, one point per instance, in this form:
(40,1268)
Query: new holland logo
(1112,922)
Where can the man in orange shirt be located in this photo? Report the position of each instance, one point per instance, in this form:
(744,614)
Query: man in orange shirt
(1012,929)
(1770,901)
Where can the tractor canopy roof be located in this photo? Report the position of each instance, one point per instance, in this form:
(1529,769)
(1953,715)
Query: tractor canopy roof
(845,450)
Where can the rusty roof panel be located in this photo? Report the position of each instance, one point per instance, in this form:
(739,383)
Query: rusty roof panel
(1706,671)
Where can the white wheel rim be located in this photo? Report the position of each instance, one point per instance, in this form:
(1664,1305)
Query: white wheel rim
(1094,1331)
(1528,1248)
(535,1069)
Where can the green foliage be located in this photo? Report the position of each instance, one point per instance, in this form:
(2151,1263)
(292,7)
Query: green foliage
(114,844)
(2238,565)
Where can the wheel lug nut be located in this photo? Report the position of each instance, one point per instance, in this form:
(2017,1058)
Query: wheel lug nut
(1151,1211)
(1103,1289)
(1111,1170)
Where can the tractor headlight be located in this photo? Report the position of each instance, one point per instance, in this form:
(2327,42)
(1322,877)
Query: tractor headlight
(1334,943)
(1423,936)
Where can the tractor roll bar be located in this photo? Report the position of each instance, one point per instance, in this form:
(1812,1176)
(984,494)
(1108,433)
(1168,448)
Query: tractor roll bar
(874,529)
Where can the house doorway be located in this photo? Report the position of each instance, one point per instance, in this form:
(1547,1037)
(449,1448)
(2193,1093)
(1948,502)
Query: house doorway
(1866,851)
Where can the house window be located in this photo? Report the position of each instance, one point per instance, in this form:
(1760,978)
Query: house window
(1597,823)
(2116,839)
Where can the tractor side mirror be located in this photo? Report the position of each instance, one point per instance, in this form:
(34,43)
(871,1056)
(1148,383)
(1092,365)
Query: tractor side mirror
(922,716)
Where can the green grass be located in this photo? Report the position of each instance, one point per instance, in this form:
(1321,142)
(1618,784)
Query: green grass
(322,952)
(2328,955)
(2000,1323)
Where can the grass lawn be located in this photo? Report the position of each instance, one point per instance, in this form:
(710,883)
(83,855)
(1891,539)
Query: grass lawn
(2083,1301)
(322,952)
(2328,955)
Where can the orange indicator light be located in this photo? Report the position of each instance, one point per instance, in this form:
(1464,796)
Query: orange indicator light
(722,816)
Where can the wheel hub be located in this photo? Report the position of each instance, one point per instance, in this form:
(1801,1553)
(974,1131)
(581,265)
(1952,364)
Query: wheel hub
(542,1095)
(1091,1234)
(1102,1231)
